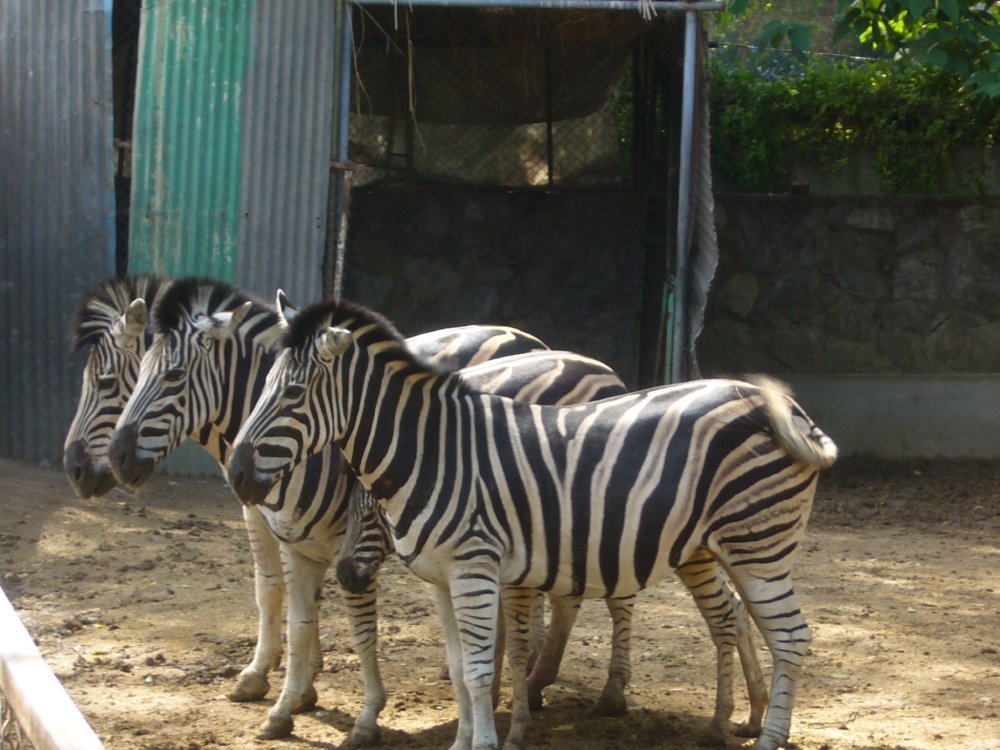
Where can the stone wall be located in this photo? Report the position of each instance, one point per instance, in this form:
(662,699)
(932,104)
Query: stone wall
(562,266)
(805,284)
(867,284)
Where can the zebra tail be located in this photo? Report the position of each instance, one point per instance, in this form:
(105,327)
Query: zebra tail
(800,436)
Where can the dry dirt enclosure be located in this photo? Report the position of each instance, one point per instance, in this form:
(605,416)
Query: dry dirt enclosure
(143,606)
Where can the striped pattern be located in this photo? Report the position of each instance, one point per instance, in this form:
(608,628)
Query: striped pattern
(595,500)
(110,322)
(206,368)
(198,380)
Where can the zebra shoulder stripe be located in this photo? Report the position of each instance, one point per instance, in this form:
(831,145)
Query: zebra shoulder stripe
(813,448)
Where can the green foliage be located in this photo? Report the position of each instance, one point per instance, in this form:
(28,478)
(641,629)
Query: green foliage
(960,36)
(911,117)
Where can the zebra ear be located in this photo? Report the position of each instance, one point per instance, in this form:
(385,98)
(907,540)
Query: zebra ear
(224,322)
(286,311)
(133,322)
(333,342)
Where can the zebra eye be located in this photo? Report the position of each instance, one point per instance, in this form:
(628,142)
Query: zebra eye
(106,381)
(174,374)
(293,391)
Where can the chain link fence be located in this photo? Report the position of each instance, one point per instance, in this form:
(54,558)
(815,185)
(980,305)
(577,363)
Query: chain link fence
(481,98)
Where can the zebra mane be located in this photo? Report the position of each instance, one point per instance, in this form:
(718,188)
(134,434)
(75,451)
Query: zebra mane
(350,314)
(102,305)
(191,295)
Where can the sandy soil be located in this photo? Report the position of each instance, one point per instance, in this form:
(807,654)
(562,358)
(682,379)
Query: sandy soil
(143,606)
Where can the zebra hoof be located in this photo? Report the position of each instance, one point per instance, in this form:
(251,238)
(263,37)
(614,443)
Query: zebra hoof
(715,735)
(747,729)
(363,736)
(611,704)
(308,701)
(276,727)
(250,687)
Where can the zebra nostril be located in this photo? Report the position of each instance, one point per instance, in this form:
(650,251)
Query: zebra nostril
(353,577)
(236,476)
(122,447)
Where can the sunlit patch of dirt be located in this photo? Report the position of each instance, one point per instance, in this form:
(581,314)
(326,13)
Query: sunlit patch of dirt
(143,606)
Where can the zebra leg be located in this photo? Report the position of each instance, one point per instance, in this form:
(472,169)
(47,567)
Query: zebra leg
(612,701)
(775,609)
(362,616)
(564,612)
(537,629)
(304,583)
(475,602)
(752,674)
(518,607)
(700,574)
(498,655)
(252,682)
(446,613)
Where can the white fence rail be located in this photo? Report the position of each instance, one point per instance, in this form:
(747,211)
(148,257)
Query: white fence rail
(46,716)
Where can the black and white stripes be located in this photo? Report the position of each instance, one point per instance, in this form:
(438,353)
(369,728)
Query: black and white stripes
(596,500)
(111,321)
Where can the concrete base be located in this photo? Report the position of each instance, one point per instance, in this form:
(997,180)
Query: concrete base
(905,416)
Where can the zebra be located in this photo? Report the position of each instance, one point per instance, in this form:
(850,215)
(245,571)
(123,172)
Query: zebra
(293,540)
(200,378)
(367,539)
(110,320)
(595,500)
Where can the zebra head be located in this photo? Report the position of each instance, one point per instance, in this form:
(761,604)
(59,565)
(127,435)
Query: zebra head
(298,413)
(111,320)
(186,378)
(367,541)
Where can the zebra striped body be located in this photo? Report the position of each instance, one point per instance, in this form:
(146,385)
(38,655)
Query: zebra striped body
(538,378)
(198,380)
(594,500)
(111,320)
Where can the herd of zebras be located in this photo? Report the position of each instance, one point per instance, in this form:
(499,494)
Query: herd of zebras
(496,468)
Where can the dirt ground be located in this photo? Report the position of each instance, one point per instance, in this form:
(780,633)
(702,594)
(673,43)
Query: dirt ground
(143,606)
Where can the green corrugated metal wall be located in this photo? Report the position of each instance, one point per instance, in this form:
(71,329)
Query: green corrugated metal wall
(186,136)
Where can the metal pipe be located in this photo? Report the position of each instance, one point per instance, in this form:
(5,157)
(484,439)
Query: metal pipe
(633,5)
(684,180)
(342,181)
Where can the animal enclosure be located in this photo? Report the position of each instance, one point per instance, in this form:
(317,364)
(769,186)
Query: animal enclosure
(143,605)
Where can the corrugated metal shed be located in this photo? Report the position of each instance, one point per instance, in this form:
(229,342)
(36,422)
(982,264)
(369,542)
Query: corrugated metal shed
(285,158)
(56,207)
(231,147)
(232,142)
(186,137)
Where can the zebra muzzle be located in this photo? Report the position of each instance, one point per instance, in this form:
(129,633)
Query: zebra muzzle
(244,479)
(355,577)
(128,466)
(87,477)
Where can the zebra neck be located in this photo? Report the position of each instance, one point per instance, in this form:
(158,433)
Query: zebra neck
(392,435)
(241,381)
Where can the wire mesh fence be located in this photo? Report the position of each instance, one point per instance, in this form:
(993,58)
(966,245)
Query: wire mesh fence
(522,99)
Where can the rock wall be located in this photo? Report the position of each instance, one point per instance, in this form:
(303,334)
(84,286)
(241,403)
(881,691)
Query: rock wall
(866,284)
(805,284)
(562,266)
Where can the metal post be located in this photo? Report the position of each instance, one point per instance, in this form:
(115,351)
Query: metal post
(342,182)
(678,353)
